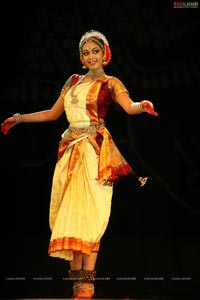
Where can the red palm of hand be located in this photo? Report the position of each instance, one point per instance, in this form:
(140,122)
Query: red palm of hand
(149,108)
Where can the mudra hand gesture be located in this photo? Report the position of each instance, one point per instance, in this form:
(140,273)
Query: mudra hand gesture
(149,108)
(10,122)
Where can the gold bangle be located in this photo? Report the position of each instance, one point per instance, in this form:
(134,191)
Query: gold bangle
(17,118)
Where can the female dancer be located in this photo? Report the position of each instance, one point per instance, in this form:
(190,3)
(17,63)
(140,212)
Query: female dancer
(88,163)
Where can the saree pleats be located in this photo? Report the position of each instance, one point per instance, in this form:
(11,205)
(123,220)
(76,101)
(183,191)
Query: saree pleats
(81,216)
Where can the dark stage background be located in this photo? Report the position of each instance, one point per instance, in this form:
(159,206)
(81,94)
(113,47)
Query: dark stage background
(151,248)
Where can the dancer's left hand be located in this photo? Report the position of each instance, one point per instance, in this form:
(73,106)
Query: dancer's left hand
(149,107)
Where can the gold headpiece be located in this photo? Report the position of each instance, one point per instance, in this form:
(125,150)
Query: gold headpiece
(92,34)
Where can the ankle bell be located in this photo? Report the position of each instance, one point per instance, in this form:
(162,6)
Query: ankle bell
(75,275)
(88,276)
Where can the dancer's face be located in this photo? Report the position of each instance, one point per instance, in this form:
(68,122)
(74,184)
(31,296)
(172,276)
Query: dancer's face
(92,55)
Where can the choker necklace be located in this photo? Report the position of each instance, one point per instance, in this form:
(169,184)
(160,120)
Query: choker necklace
(96,74)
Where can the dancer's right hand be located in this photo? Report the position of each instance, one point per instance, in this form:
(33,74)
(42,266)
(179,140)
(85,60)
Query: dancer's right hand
(7,124)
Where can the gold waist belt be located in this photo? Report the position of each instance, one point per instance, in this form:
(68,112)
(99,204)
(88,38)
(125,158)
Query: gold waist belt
(88,130)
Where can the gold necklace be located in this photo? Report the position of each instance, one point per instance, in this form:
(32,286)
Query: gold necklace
(74,97)
(93,75)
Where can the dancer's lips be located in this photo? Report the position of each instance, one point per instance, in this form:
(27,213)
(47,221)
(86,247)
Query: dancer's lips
(92,62)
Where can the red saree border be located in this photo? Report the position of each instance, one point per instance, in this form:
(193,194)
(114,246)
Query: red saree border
(72,244)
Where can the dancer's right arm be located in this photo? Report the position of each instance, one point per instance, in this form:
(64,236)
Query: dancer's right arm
(41,116)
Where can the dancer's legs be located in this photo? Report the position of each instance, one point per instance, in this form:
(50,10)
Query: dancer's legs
(83,273)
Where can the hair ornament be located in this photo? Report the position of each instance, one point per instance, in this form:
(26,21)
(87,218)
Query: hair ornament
(92,33)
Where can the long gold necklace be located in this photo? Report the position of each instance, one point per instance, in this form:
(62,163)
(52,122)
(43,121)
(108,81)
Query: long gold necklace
(74,98)
(93,76)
